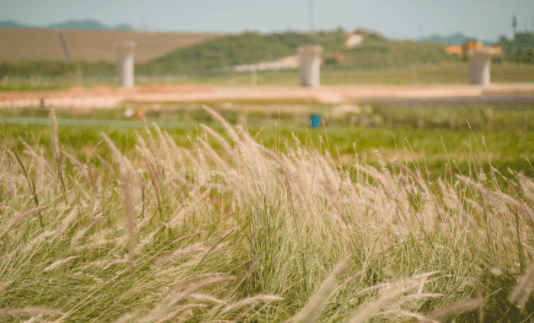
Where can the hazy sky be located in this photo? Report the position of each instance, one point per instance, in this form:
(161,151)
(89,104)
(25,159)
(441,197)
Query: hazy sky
(397,19)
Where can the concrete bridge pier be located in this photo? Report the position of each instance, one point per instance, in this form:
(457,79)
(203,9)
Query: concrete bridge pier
(479,66)
(126,63)
(310,65)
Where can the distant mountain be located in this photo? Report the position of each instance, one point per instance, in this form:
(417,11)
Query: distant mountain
(13,24)
(73,24)
(457,38)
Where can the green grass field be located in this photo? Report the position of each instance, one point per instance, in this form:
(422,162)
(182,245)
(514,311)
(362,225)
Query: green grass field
(109,222)
(446,73)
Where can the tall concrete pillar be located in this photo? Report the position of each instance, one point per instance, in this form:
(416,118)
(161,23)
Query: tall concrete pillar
(126,63)
(310,65)
(479,66)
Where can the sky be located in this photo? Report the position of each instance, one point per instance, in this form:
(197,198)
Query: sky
(484,20)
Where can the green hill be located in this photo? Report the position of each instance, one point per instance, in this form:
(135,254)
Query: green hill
(250,47)
(247,48)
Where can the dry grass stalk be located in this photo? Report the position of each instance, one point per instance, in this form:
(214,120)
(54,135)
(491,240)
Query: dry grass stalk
(521,292)
(163,142)
(419,317)
(30,311)
(55,141)
(313,309)
(443,313)
(187,236)
(118,262)
(384,298)
(192,280)
(127,317)
(154,180)
(56,149)
(31,184)
(206,298)
(224,236)
(251,301)
(20,216)
(177,219)
(80,234)
(225,145)
(59,263)
(198,247)
(5,285)
(351,278)
(219,118)
(128,196)
(196,287)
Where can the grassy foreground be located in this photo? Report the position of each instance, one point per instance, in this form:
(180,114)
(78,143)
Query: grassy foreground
(170,232)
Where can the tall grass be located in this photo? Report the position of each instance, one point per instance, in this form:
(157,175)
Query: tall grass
(245,233)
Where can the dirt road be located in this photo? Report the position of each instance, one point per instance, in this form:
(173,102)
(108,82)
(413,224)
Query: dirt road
(104,97)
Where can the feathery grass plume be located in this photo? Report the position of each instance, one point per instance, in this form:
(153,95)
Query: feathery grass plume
(127,317)
(175,269)
(370,289)
(80,234)
(29,311)
(64,225)
(196,287)
(353,277)
(218,117)
(35,155)
(80,167)
(177,155)
(255,300)
(59,263)
(206,298)
(154,180)
(177,219)
(187,237)
(419,317)
(203,174)
(315,306)
(5,285)
(20,216)
(146,241)
(192,280)
(443,313)
(212,249)
(93,176)
(224,144)
(386,296)
(521,292)
(127,194)
(214,156)
(163,143)
(108,166)
(163,309)
(197,247)
(117,262)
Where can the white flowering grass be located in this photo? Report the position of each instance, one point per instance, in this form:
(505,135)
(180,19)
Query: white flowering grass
(161,233)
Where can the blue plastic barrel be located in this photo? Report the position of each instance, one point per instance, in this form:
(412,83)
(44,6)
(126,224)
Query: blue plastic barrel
(315,120)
